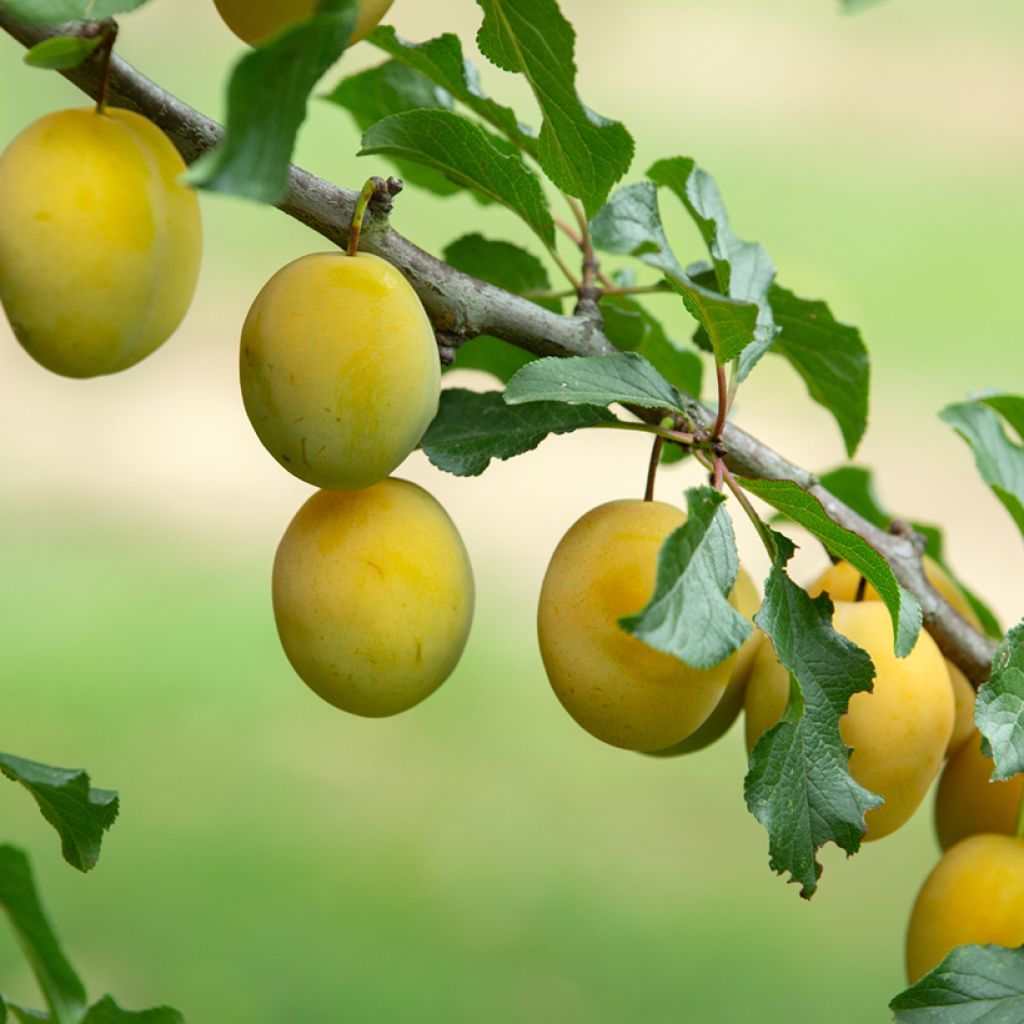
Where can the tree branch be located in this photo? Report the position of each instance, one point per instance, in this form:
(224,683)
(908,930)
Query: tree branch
(462,307)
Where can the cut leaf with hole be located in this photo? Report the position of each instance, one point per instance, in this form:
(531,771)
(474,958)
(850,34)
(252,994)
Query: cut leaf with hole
(472,428)
(267,98)
(79,813)
(999,709)
(460,150)
(799,785)
(583,153)
(689,615)
(626,378)
(804,508)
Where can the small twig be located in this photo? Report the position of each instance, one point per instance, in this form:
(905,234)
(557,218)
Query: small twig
(652,468)
(862,588)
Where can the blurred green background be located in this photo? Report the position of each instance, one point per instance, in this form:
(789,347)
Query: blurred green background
(480,858)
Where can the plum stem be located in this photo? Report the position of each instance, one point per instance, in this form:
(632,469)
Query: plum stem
(108,33)
(652,468)
(370,189)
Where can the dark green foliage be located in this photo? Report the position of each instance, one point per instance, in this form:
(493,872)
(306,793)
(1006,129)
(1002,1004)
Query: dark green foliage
(799,786)
(460,150)
(267,98)
(805,509)
(582,153)
(472,428)
(79,813)
(973,985)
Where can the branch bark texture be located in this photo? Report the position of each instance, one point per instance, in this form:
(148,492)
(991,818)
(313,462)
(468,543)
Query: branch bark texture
(462,307)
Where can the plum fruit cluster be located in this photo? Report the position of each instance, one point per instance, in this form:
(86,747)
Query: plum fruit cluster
(372,589)
(340,376)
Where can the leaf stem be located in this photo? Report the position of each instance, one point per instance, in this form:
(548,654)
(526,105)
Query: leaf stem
(759,524)
(1018,829)
(652,468)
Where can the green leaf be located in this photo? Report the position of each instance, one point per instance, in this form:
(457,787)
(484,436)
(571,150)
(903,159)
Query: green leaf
(61,987)
(999,460)
(629,326)
(594,380)
(58,53)
(54,12)
(630,224)
(973,985)
(512,268)
(1010,407)
(999,709)
(689,615)
(106,1011)
(829,355)
(441,60)
(24,1015)
(79,813)
(799,786)
(582,153)
(461,151)
(805,509)
(743,270)
(472,427)
(267,98)
(393,88)
(855,486)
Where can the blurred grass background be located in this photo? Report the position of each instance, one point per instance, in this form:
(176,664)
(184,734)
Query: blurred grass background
(480,858)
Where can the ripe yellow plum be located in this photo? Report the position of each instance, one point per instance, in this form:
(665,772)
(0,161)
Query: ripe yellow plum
(373,596)
(616,687)
(841,582)
(256,20)
(99,243)
(339,369)
(746,600)
(967,802)
(899,731)
(975,895)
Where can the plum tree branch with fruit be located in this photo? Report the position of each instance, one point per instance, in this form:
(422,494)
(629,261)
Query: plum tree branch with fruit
(462,307)
(652,635)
